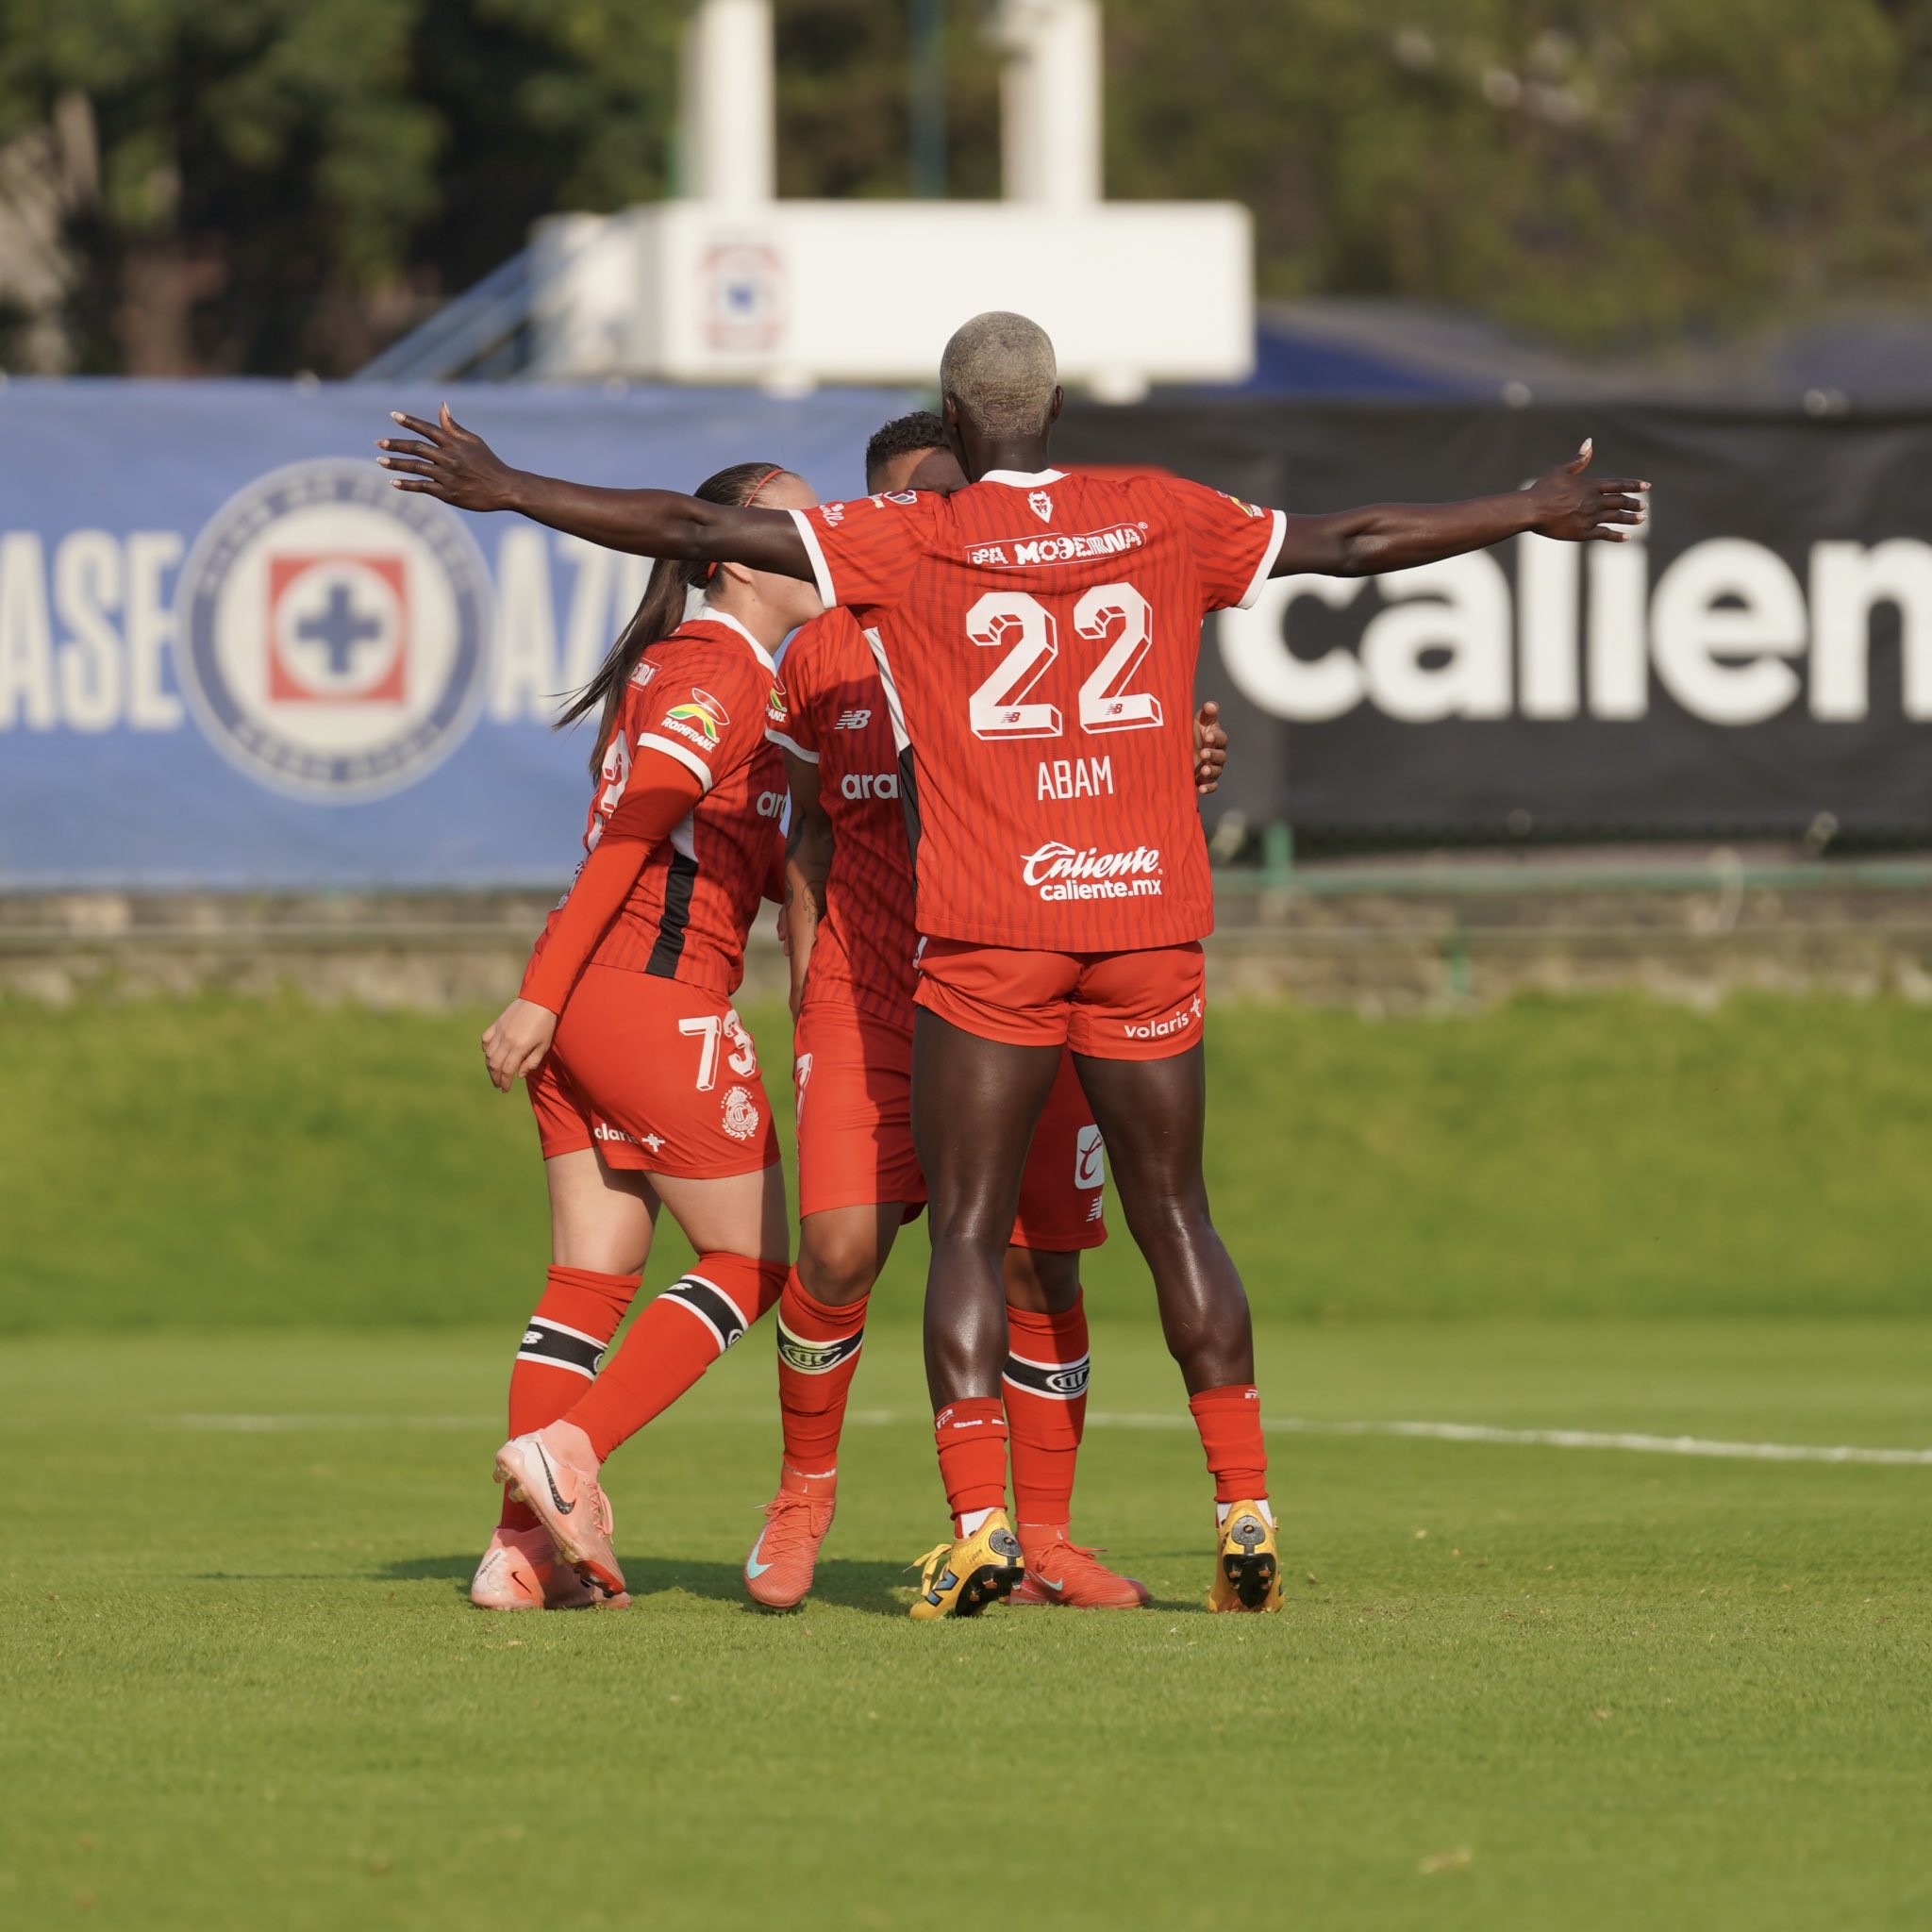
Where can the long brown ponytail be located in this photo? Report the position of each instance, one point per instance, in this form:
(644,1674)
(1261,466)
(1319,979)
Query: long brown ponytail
(660,611)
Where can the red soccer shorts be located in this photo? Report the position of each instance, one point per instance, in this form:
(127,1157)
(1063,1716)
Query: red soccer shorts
(1141,1006)
(853,1075)
(658,1077)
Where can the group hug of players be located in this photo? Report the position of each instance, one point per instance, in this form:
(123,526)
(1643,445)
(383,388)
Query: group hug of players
(995,889)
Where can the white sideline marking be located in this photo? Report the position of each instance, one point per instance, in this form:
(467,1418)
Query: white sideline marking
(301,1425)
(1554,1439)
(1288,1426)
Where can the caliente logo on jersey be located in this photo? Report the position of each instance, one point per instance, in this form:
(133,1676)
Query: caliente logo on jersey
(334,633)
(1057,871)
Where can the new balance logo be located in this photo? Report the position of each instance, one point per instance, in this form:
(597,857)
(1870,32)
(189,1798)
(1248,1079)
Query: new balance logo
(852,721)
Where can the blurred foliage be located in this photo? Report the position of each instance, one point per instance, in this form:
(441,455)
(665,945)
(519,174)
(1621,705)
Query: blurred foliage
(1610,176)
(271,184)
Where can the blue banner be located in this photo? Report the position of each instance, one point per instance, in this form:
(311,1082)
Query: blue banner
(231,656)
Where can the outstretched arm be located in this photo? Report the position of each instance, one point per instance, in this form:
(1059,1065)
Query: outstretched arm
(1562,503)
(452,462)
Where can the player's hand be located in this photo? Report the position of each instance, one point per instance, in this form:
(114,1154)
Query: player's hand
(1581,509)
(1211,747)
(516,1042)
(785,923)
(449,461)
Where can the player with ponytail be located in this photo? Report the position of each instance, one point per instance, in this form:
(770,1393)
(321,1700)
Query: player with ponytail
(645,1084)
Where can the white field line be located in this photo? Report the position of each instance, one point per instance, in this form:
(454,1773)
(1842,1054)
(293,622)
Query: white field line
(1301,1426)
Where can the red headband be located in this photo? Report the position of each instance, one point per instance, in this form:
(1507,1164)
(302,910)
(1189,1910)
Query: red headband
(711,569)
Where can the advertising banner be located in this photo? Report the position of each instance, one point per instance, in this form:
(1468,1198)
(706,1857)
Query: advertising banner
(232,656)
(1758,663)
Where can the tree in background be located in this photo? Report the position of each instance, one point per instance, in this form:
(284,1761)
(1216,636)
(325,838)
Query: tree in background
(268,185)
(1616,175)
(286,183)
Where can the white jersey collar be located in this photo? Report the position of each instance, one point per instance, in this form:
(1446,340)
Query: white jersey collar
(1018,479)
(708,612)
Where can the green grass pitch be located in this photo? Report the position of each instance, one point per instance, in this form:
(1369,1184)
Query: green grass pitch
(261,1269)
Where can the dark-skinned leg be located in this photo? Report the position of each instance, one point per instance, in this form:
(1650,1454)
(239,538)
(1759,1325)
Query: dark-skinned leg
(974,1105)
(1151,1114)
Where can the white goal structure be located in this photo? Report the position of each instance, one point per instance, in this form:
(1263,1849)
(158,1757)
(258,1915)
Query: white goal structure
(730,284)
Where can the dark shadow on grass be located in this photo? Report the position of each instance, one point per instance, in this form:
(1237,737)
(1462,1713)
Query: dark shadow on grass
(846,1581)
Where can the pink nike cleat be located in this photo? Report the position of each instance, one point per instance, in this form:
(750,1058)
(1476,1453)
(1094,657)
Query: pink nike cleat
(777,1572)
(520,1572)
(555,1472)
(1061,1573)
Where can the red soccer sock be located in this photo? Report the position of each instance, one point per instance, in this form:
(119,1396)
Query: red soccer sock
(1046,1387)
(1230,1420)
(571,1328)
(972,1438)
(673,1342)
(818,1355)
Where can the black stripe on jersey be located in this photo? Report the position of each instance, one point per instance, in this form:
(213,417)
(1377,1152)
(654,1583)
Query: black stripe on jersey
(816,1357)
(669,949)
(909,800)
(1063,1381)
(712,1309)
(558,1348)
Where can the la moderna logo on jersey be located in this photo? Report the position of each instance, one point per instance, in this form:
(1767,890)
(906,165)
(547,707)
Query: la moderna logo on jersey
(333,633)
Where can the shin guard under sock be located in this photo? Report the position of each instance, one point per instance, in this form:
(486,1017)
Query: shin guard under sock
(1229,1420)
(1046,1389)
(565,1337)
(971,1438)
(818,1355)
(675,1338)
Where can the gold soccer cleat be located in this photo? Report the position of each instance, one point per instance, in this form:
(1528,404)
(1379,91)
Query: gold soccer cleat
(959,1579)
(1247,1563)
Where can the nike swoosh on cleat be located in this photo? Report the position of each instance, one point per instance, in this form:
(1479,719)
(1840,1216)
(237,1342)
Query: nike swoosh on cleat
(752,1566)
(1046,1583)
(563,1509)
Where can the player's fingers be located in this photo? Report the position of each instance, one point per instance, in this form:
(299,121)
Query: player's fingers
(415,488)
(428,452)
(1607,534)
(1614,500)
(407,465)
(417,424)
(1620,516)
(1580,461)
(1628,486)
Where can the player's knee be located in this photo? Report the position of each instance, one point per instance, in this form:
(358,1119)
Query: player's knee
(835,1266)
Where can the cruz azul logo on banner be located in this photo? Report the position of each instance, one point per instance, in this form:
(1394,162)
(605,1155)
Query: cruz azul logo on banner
(333,634)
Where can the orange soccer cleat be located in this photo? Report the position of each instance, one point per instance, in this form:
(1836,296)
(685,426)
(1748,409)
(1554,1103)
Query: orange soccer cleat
(1061,1573)
(555,1472)
(778,1571)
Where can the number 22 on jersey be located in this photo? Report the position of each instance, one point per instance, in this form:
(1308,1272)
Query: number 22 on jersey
(1021,625)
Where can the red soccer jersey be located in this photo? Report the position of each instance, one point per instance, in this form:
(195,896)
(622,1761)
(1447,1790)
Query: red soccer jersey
(705,696)
(1037,637)
(863,954)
